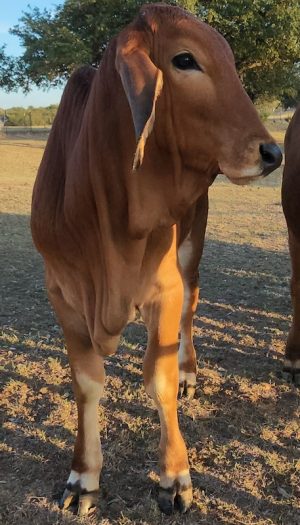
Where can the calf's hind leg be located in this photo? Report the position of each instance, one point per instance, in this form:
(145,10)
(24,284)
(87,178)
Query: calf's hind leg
(189,255)
(88,381)
(292,353)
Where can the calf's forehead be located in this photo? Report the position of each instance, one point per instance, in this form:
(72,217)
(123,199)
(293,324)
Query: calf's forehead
(174,30)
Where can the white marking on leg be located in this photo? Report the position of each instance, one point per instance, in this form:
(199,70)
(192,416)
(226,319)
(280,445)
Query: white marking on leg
(182,349)
(167,479)
(185,252)
(92,455)
(186,342)
(74,477)
(185,339)
(189,377)
(90,480)
(87,480)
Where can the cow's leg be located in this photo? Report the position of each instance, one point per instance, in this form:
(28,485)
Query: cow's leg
(189,253)
(187,353)
(88,382)
(162,317)
(292,357)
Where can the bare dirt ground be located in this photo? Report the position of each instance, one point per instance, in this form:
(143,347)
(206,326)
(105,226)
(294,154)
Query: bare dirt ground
(242,430)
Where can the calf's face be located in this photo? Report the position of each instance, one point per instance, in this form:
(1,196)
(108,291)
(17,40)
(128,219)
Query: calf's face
(213,115)
(172,55)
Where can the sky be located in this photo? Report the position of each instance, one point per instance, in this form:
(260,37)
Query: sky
(10,13)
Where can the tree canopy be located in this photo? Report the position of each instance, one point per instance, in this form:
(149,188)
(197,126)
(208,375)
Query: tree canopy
(264,35)
(7,67)
(30,116)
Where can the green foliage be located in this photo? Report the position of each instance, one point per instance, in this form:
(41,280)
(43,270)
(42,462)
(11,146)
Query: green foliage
(265,38)
(73,34)
(264,34)
(6,70)
(292,97)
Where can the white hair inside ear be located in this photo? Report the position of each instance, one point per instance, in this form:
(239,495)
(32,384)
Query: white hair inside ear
(139,152)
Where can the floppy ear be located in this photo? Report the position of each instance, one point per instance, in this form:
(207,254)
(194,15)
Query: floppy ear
(142,82)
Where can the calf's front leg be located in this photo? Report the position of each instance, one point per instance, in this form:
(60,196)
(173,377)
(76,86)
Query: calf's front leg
(160,368)
(88,383)
(83,481)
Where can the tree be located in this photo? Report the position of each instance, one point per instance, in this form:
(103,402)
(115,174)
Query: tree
(32,116)
(7,67)
(264,34)
(73,34)
(265,37)
(292,97)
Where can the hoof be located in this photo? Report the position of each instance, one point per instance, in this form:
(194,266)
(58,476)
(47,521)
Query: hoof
(187,384)
(291,371)
(87,502)
(186,390)
(69,497)
(75,496)
(182,503)
(166,499)
(177,497)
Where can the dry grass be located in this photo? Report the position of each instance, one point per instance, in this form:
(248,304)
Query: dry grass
(278,135)
(19,161)
(242,429)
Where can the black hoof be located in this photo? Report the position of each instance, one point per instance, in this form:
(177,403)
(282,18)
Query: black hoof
(170,500)
(166,500)
(181,504)
(291,374)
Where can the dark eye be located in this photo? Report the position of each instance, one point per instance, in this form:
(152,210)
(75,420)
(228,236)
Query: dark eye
(185,61)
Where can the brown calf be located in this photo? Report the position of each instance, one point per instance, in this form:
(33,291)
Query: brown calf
(291,203)
(119,213)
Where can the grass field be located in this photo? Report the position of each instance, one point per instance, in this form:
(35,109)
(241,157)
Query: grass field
(242,430)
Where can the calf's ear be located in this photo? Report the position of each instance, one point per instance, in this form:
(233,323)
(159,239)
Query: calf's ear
(142,82)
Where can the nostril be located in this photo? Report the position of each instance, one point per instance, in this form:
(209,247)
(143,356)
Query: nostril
(271,155)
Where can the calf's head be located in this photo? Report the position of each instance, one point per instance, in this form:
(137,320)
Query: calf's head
(171,62)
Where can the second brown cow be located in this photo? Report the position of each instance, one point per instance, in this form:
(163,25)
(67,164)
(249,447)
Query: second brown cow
(119,214)
(291,208)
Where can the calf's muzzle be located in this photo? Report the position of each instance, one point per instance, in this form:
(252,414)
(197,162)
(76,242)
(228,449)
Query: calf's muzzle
(271,157)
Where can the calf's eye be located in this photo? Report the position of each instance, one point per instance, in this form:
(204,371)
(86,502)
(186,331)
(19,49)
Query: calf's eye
(185,61)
